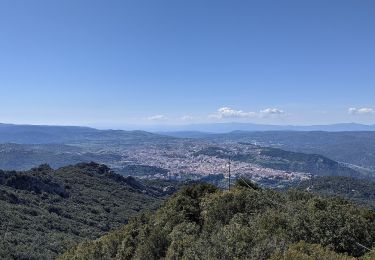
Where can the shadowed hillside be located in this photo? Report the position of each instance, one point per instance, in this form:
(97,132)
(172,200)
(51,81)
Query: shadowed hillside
(46,211)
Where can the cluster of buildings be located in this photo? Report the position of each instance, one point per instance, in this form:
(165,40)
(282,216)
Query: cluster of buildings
(184,160)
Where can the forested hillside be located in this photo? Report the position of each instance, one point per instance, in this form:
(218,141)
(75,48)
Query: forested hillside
(44,211)
(202,222)
(27,156)
(356,190)
(351,147)
(279,159)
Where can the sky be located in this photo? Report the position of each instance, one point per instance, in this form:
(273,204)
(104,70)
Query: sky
(112,63)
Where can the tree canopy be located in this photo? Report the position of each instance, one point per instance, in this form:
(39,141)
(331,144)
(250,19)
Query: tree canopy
(202,222)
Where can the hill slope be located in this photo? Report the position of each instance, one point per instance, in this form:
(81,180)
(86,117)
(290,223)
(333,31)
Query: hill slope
(27,156)
(350,147)
(201,222)
(45,211)
(279,159)
(41,134)
(359,191)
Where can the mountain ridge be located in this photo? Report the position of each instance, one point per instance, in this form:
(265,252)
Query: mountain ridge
(43,134)
(233,126)
(45,211)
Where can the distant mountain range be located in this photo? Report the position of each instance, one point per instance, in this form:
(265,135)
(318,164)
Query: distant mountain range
(229,127)
(44,134)
(353,147)
(25,146)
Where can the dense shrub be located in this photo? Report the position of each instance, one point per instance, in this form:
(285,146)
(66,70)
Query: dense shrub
(44,211)
(201,222)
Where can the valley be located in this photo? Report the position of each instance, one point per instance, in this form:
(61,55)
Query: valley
(55,195)
(272,158)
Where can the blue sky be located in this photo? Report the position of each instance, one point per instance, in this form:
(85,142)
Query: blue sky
(117,63)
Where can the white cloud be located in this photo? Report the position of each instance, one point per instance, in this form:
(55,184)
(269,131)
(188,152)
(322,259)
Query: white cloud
(157,118)
(361,111)
(271,112)
(227,112)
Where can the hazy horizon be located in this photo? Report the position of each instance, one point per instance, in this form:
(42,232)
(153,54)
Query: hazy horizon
(220,127)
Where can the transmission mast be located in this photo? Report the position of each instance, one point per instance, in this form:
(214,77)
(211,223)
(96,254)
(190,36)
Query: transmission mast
(229,162)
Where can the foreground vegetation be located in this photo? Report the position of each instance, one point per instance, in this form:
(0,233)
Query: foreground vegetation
(44,211)
(202,222)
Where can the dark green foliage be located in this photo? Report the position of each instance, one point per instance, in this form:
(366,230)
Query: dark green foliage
(44,211)
(202,222)
(359,191)
(312,163)
(369,256)
(37,180)
(218,180)
(306,251)
(243,182)
(213,151)
(142,170)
